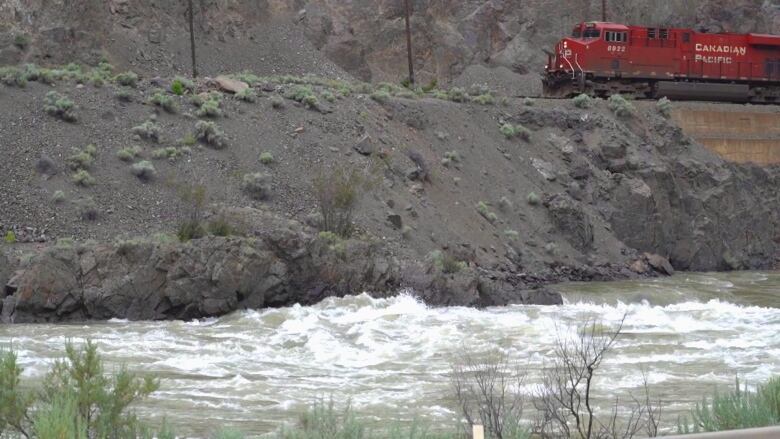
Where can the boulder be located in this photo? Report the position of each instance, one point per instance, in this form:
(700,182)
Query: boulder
(365,146)
(230,85)
(659,263)
(572,221)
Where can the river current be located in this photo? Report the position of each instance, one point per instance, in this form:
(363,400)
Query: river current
(253,370)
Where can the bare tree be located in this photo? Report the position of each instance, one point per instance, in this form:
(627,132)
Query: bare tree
(565,400)
(488,393)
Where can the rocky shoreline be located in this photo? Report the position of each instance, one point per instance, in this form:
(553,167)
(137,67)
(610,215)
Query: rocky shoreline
(281,265)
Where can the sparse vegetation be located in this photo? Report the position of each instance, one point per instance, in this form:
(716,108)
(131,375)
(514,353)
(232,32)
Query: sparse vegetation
(171,153)
(380,96)
(450,157)
(620,106)
(528,102)
(277,102)
(484,210)
(247,95)
(445,262)
(512,235)
(144,170)
(457,94)
(22,41)
(209,106)
(533,199)
(740,408)
(181,85)
(128,154)
(257,185)
(664,106)
(304,95)
(161,99)
(266,158)
(210,134)
(337,193)
(148,130)
(83,178)
(484,99)
(194,199)
(60,106)
(58,196)
(510,131)
(10,237)
(83,158)
(127,79)
(582,101)
(124,94)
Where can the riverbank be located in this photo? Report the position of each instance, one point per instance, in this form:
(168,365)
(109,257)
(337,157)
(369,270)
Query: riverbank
(254,370)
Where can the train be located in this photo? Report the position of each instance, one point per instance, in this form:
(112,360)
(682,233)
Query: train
(602,59)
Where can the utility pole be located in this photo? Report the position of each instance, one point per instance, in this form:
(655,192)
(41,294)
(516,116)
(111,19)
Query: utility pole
(409,43)
(603,10)
(191,14)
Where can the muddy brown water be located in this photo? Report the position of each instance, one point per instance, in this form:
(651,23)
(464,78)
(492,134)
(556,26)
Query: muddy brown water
(254,370)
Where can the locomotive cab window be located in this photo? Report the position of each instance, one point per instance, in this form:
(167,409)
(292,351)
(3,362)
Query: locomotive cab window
(591,33)
(686,37)
(616,37)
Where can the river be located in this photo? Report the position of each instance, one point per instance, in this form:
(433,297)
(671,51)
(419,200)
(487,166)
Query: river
(253,370)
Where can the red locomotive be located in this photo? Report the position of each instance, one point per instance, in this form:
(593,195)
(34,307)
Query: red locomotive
(602,59)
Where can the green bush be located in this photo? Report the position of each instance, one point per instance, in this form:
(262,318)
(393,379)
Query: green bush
(59,106)
(58,196)
(620,106)
(127,79)
(266,158)
(528,102)
(190,230)
(247,95)
(220,227)
(148,130)
(509,131)
(83,178)
(144,170)
(446,262)
(324,421)
(164,101)
(83,159)
(210,134)
(171,153)
(77,399)
(736,410)
(277,102)
(533,199)
(128,154)
(380,96)
(13,76)
(664,107)
(257,185)
(209,108)
(583,101)
(328,96)
(124,94)
(10,237)
(484,210)
(512,235)
(22,41)
(485,99)
(181,85)
(457,94)
(338,192)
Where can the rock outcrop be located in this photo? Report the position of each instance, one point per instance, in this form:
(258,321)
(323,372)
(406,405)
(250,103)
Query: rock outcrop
(213,276)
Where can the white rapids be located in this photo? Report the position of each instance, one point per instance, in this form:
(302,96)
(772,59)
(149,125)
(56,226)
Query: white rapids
(253,370)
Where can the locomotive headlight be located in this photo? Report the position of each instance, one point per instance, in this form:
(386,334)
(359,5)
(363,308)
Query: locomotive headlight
(565,44)
(560,66)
